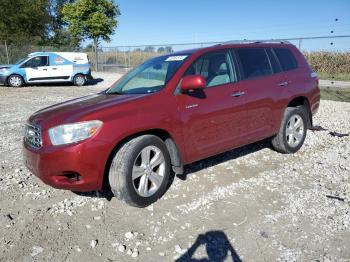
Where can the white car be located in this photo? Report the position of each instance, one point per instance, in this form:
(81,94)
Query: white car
(44,67)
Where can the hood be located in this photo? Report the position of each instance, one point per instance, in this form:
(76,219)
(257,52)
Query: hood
(76,109)
(5,66)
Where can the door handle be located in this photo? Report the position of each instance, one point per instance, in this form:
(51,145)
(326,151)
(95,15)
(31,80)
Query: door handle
(283,83)
(238,94)
(45,69)
(55,68)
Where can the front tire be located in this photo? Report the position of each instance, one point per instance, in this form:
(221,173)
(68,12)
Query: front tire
(292,133)
(79,80)
(140,171)
(15,81)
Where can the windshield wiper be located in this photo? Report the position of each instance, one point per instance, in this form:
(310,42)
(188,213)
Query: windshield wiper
(114,93)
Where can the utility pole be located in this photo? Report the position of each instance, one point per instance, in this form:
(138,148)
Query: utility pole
(96,52)
(7,53)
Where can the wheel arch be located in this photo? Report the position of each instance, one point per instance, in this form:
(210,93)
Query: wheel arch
(78,73)
(173,149)
(302,101)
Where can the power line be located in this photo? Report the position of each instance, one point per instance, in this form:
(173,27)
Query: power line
(216,42)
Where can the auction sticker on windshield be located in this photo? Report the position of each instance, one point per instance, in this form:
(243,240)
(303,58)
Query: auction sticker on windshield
(176,58)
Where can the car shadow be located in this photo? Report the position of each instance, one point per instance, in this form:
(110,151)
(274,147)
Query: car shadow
(224,157)
(94,81)
(217,246)
(105,193)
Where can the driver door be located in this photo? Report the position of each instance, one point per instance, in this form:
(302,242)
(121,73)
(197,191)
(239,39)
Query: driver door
(211,118)
(37,69)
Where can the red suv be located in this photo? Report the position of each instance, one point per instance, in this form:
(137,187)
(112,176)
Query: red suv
(170,111)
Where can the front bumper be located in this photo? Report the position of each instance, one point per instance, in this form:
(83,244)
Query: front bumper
(77,167)
(3,80)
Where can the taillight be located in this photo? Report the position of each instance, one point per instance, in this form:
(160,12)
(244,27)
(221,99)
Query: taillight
(314,75)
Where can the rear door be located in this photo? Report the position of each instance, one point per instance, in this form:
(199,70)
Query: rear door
(37,69)
(211,117)
(260,80)
(293,78)
(61,68)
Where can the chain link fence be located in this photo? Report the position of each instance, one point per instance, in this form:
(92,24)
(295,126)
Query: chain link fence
(11,53)
(327,54)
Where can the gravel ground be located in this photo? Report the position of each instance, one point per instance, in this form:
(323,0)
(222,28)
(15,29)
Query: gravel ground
(249,204)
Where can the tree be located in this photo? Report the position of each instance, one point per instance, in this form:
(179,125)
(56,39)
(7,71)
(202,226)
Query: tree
(38,22)
(88,48)
(161,49)
(149,49)
(91,19)
(59,36)
(24,21)
(169,49)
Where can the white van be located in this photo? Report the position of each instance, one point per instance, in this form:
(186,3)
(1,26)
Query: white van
(42,67)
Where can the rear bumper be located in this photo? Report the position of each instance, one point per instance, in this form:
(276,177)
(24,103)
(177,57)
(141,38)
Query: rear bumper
(3,80)
(315,101)
(76,167)
(89,76)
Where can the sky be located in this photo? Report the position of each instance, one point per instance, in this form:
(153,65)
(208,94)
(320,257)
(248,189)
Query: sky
(185,21)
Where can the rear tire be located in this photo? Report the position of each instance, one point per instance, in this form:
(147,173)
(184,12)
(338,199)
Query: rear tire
(79,80)
(140,171)
(292,133)
(15,81)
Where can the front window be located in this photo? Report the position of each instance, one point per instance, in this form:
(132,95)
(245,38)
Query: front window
(149,77)
(214,67)
(37,61)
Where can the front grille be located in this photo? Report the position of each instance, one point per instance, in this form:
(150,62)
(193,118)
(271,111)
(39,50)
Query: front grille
(32,136)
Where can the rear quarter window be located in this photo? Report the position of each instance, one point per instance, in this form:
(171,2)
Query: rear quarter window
(254,62)
(286,58)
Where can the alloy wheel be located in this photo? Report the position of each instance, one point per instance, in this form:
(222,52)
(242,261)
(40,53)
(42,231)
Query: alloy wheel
(148,171)
(294,130)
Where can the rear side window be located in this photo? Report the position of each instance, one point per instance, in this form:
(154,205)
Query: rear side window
(58,60)
(286,58)
(254,62)
(274,63)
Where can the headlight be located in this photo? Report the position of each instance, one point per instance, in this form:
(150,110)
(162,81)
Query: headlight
(3,70)
(71,133)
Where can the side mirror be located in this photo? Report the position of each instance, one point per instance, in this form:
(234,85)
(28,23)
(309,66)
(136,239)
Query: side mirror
(192,82)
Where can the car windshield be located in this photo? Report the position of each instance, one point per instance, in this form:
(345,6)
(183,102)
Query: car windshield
(20,61)
(148,77)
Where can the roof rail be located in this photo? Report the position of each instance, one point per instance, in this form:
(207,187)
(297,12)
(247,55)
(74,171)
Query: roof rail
(245,41)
